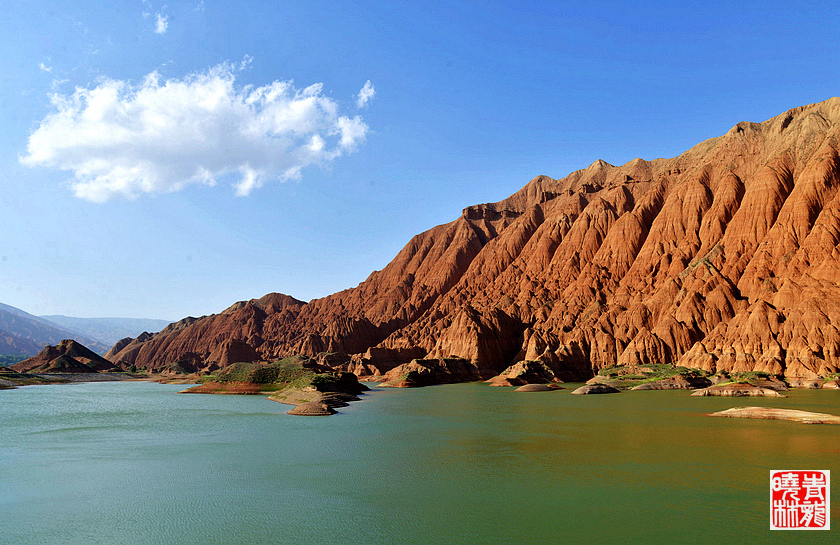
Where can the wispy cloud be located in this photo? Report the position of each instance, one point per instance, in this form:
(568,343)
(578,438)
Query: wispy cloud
(122,140)
(365,94)
(56,82)
(162,23)
(161,20)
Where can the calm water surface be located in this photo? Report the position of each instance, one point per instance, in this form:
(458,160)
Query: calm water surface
(136,463)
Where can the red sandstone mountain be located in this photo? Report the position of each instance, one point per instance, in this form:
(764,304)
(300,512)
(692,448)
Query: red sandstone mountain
(66,357)
(724,258)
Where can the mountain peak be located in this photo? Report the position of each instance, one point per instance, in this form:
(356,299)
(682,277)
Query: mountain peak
(726,258)
(67,357)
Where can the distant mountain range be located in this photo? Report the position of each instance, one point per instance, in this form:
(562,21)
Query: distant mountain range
(108,330)
(23,334)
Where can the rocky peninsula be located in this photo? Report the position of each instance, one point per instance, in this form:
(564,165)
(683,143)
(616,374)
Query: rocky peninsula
(313,389)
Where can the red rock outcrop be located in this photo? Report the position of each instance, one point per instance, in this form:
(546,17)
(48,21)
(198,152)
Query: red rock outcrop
(726,258)
(427,372)
(596,388)
(66,357)
(238,333)
(524,372)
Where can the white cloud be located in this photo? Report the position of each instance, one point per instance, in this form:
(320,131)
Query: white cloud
(162,23)
(365,94)
(56,83)
(122,140)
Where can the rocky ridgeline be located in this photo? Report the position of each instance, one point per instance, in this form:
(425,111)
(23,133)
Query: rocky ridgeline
(724,259)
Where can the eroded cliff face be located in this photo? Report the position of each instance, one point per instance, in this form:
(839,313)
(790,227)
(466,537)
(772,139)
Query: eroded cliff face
(725,258)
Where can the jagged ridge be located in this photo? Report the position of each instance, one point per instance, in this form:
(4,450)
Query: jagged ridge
(724,258)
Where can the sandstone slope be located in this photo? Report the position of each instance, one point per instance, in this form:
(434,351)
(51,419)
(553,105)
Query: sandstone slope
(66,357)
(725,258)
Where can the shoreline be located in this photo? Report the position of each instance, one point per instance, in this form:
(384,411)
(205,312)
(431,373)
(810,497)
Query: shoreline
(65,378)
(311,402)
(92,377)
(12,380)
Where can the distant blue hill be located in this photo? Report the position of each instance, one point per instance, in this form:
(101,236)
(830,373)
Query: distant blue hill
(23,334)
(108,330)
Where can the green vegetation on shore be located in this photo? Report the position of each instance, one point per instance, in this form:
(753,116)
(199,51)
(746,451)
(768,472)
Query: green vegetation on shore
(746,377)
(8,361)
(10,379)
(286,372)
(298,374)
(623,377)
(627,377)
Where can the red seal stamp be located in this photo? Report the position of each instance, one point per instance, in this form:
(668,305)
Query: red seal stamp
(800,500)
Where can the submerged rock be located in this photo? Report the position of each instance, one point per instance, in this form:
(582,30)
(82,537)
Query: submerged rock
(312,408)
(736,390)
(770,413)
(535,388)
(596,389)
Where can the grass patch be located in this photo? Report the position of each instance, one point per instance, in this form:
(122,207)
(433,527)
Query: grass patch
(285,371)
(290,373)
(649,372)
(622,376)
(612,371)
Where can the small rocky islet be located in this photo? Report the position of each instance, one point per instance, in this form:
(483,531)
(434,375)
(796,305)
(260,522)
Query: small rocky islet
(773,413)
(313,389)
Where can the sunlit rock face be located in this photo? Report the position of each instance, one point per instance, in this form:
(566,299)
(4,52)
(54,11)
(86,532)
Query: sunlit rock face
(725,258)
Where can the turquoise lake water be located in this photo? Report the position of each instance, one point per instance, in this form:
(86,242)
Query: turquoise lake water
(136,463)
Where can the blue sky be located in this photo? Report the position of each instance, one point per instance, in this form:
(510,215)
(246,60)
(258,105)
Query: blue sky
(164,160)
